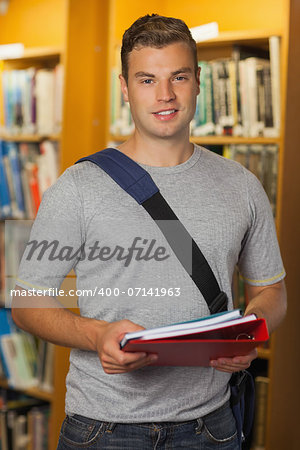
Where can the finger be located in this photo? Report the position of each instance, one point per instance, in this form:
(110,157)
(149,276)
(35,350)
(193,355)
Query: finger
(116,368)
(229,366)
(121,358)
(245,359)
(128,360)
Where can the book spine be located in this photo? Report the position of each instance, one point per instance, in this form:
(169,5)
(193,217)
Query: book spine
(274,44)
(210,125)
(9,177)
(233,94)
(4,189)
(45,101)
(269,129)
(13,156)
(235,60)
(260,99)
(252,95)
(216,96)
(244,98)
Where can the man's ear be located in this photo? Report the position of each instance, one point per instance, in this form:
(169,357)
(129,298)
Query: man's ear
(124,88)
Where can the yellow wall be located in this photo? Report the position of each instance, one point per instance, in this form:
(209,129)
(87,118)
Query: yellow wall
(42,22)
(86,71)
(127,11)
(35,23)
(230,14)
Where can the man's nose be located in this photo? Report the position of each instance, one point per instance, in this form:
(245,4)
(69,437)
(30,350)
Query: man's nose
(165,91)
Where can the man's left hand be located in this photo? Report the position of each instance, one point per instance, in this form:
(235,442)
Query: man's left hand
(235,364)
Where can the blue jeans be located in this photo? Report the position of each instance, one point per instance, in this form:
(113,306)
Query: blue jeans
(216,430)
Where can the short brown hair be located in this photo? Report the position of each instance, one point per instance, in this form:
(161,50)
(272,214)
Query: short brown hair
(155,31)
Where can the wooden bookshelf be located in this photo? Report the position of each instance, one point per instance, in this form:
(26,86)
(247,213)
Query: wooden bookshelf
(33,391)
(29,137)
(36,53)
(245,37)
(283,21)
(39,57)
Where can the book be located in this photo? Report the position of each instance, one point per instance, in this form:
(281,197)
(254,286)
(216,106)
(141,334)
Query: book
(14,162)
(45,108)
(7,326)
(5,206)
(236,337)
(16,431)
(19,370)
(26,171)
(274,43)
(185,327)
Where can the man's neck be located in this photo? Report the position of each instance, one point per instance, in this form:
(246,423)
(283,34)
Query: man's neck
(158,153)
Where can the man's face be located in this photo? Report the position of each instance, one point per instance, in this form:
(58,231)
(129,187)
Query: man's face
(162,90)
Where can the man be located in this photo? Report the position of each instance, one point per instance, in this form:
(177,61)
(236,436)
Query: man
(114,399)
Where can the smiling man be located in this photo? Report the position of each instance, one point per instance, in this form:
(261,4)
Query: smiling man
(114,399)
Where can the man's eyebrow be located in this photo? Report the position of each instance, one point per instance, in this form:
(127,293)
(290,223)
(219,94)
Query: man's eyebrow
(176,72)
(144,74)
(182,70)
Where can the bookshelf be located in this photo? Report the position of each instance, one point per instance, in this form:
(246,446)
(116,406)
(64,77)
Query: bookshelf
(241,27)
(29,137)
(33,392)
(38,58)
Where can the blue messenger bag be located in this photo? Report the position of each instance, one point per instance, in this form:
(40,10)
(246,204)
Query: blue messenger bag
(138,183)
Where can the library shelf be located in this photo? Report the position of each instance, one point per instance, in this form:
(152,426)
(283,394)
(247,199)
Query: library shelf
(33,391)
(29,137)
(245,37)
(38,53)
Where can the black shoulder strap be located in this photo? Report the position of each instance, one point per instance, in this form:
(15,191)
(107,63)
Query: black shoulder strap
(138,183)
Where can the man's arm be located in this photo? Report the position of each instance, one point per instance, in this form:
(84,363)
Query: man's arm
(268,302)
(56,324)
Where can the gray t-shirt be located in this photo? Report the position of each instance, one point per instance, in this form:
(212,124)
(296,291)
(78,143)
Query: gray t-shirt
(224,208)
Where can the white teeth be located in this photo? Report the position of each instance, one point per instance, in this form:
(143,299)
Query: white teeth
(166,113)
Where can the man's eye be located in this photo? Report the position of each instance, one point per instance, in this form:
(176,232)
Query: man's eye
(147,81)
(180,78)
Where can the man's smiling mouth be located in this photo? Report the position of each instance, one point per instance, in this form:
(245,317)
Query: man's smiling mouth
(165,113)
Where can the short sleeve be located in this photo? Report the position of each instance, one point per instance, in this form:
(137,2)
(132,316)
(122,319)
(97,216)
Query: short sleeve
(56,238)
(260,262)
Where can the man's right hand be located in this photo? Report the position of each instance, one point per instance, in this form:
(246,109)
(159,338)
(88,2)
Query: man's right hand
(113,359)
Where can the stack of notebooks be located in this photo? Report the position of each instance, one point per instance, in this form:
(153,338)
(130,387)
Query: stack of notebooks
(197,342)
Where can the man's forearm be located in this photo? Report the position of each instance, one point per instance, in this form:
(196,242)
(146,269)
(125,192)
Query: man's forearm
(269,302)
(56,324)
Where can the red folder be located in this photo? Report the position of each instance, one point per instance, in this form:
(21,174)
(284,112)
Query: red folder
(198,349)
